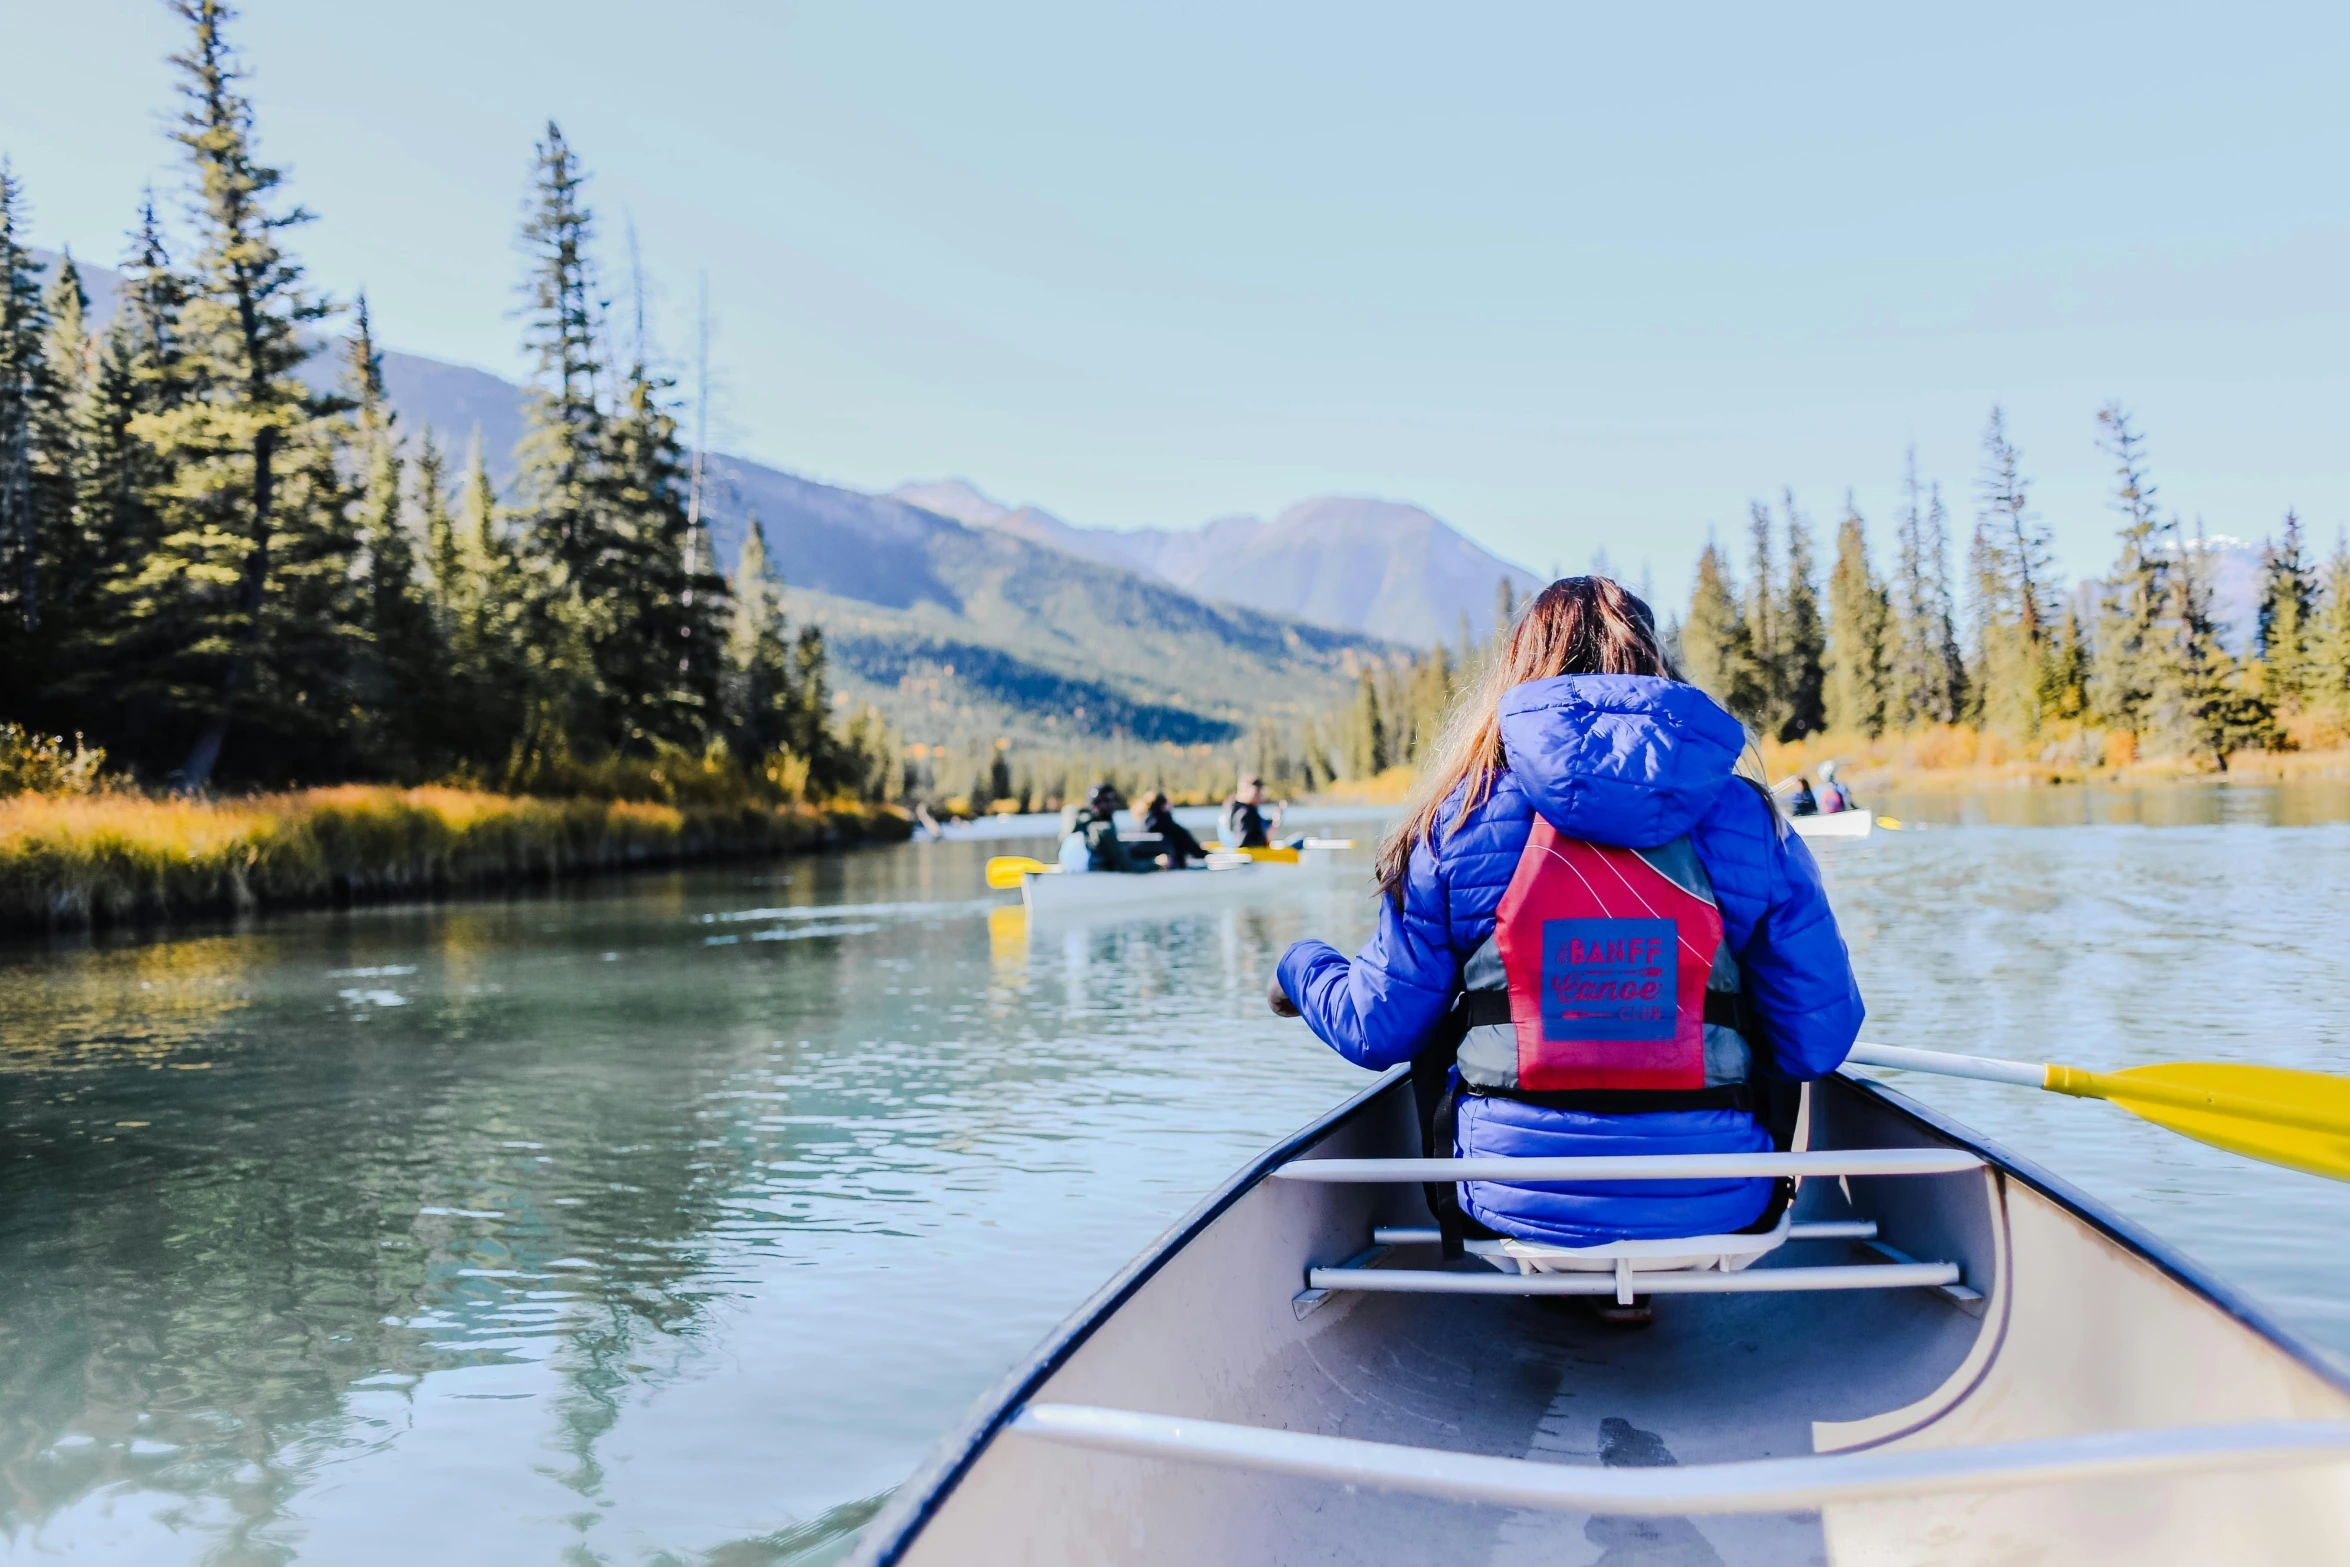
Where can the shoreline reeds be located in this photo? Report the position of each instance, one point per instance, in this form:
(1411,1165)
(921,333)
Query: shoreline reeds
(81,861)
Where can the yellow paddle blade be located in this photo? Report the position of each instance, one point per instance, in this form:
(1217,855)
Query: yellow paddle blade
(1890,824)
(1270,856)
(1005,870)
(2300,1120)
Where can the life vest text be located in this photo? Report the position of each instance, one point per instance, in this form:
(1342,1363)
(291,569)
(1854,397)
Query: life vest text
(1609,979)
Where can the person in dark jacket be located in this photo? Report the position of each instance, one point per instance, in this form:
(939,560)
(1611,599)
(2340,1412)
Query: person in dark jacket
(1158,817)
(1097,824)
(1583,723)
(1244,823)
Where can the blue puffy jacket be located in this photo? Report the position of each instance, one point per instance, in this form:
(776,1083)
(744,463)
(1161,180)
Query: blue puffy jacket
(1634,761)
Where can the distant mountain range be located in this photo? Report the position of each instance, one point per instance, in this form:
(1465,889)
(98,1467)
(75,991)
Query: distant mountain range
(1383,567)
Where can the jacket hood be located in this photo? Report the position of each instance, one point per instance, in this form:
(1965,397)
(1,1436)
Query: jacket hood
(1630,760)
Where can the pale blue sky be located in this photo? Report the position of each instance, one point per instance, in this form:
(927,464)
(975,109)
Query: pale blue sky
(1570,277)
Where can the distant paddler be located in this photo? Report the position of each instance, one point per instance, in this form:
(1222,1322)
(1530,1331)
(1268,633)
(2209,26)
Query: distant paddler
(1157,819)
(1244,823)
(1092,843)
(1833,796)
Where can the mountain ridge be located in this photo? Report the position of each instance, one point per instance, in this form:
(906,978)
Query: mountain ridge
(1388,568)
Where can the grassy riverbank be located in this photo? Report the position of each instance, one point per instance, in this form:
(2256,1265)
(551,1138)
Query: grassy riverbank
(1956,756)
(75,861)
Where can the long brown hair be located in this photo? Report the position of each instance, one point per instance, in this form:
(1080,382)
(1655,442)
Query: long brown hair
(1576,626)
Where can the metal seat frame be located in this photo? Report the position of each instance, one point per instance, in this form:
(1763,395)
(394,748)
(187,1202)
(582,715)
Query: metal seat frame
(1626,1279)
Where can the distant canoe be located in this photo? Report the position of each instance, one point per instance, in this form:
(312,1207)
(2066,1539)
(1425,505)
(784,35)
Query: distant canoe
(1951,1358)
(1223,877)
(1835,824)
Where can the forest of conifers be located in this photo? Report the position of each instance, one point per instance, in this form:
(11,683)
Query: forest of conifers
(2102,673)
(2129,665)
(220,574)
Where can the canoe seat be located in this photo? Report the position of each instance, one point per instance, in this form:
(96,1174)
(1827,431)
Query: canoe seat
(1691,1265)
(1625,1259)
(1722,1253)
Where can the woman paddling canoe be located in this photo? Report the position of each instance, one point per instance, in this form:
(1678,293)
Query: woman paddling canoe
(1596,938)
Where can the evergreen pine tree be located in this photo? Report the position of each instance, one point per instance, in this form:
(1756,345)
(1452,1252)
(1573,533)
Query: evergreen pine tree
(2065,683)
(26,394)
(102,647)
(1984,628)
(1717,649)
(1803,638)
(1855,695)
(63,551)
(2134,597)
(2012,600)
(1763,632)
(660,656)
(833,764)
(2217,708)
(1505,615)
(2329,654)
(1427,701)
(444,551)
(562,488)
(155,295)
(760,699)
(565,420)
(406,672)
(489,606)
(254,532)
(1911,681)
(1928,685)
(2287,601)
(1366,740)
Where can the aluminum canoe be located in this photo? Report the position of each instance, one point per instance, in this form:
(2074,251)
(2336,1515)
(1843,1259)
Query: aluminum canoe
(2056,1387)
(1059,893)
(1835,824)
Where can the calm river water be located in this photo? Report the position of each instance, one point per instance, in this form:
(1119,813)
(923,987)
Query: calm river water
(669,1220)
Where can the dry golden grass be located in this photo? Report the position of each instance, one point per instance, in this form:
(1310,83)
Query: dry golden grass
(1387,788)
(68,861)
(1956,756)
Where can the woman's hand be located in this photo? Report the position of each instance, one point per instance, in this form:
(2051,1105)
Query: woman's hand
(1278,999)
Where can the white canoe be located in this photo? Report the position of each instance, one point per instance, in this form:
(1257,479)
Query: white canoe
(1835,824)
(1058,892)
(1968,1364)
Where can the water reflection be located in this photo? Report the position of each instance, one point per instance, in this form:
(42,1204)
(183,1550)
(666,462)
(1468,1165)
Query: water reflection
(568,1228)
(545,1229)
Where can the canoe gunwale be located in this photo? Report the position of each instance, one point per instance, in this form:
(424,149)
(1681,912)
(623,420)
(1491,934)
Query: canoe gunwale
(2122,1231)
(928,1487)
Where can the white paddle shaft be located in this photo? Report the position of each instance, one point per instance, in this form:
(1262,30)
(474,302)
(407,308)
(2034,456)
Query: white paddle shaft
(1902,1058)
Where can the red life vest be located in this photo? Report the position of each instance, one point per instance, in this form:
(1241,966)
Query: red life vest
(1611,969)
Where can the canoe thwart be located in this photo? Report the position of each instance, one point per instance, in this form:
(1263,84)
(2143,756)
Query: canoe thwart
(1763,1485)
(1640,1167)
(1818,1230)
(1623,1281)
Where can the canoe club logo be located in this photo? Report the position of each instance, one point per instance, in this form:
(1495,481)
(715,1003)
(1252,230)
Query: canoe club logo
(1609,979)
